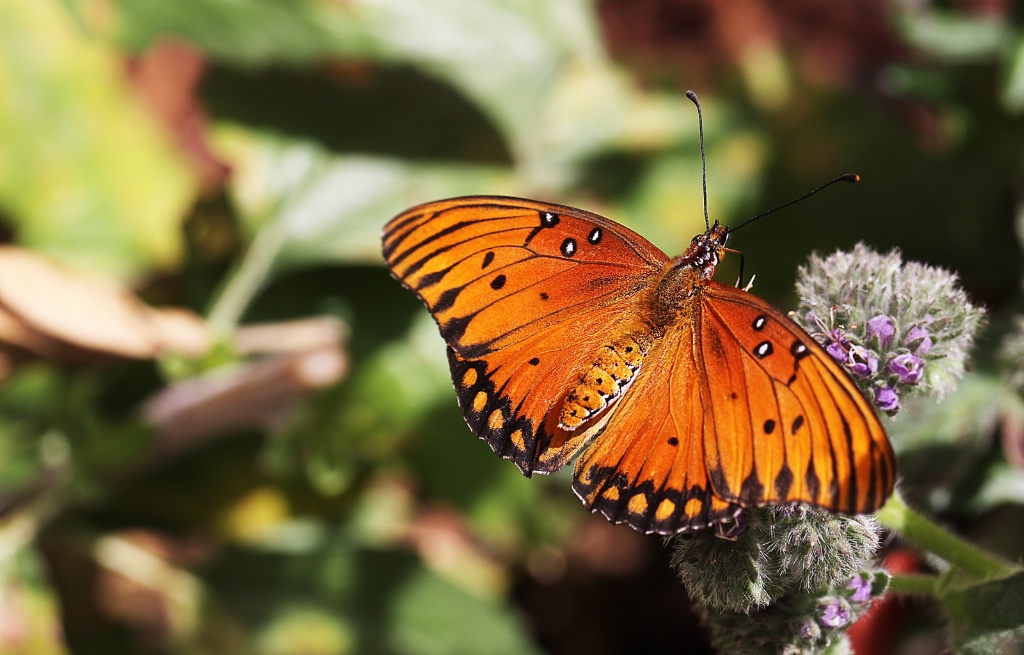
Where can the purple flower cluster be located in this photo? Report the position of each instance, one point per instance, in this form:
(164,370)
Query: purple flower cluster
(837,610)
(902,366)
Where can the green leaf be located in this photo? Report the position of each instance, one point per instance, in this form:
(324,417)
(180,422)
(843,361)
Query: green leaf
(86,173)
(1013,89)
(956,36)
(432,616)
(989,606)
(325,208)
(984,616)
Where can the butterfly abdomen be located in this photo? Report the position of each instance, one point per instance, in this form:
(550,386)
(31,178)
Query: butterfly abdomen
(614,368)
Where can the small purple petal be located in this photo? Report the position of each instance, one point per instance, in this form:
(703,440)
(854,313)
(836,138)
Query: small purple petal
(886,399)
(838,346)
(908,367)
(862,362)
(883,328)
(836,350)
(920,334)
(835,614)
(861,588)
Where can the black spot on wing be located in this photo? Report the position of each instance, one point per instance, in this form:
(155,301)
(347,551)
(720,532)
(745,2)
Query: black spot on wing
(488,258)
(769,426)
(798,423)
(547,220)
(568,248)
(498,282)
(799,350)
(763,349)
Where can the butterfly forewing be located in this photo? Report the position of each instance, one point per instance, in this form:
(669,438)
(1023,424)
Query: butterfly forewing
(790,425)
(494,271)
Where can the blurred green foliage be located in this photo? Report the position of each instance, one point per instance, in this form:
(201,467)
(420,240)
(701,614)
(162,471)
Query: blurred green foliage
(366,518)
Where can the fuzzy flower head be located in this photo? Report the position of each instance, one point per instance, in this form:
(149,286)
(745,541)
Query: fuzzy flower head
(792,547)
(804,618)
(897,327)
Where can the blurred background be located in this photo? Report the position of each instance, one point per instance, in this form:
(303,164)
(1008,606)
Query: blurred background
(225,429)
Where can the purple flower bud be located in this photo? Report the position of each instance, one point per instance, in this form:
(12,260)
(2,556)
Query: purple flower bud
(809,630)
(920,334)
(861,588)
(838,346)
(886,399)
(908,367)
(883,328)
(835,613)
(862,362)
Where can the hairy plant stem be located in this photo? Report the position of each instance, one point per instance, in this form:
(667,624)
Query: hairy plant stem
(933,538)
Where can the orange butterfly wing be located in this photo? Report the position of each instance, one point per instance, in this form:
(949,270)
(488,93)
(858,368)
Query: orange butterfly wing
(738,408)
(525,293)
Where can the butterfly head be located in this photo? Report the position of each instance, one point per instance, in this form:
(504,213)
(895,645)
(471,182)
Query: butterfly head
(706,251)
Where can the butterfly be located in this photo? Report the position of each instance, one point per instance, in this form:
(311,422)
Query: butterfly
(688,400)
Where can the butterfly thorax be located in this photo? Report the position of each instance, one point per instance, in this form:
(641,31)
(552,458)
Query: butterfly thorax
(685,276)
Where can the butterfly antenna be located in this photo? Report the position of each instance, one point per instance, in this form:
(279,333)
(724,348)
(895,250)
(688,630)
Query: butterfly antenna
(849,177)
(703,160)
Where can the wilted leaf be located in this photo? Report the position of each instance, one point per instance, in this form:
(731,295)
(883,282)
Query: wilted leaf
(55,312)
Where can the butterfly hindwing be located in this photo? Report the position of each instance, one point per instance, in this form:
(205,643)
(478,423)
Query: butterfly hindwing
(648,467)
